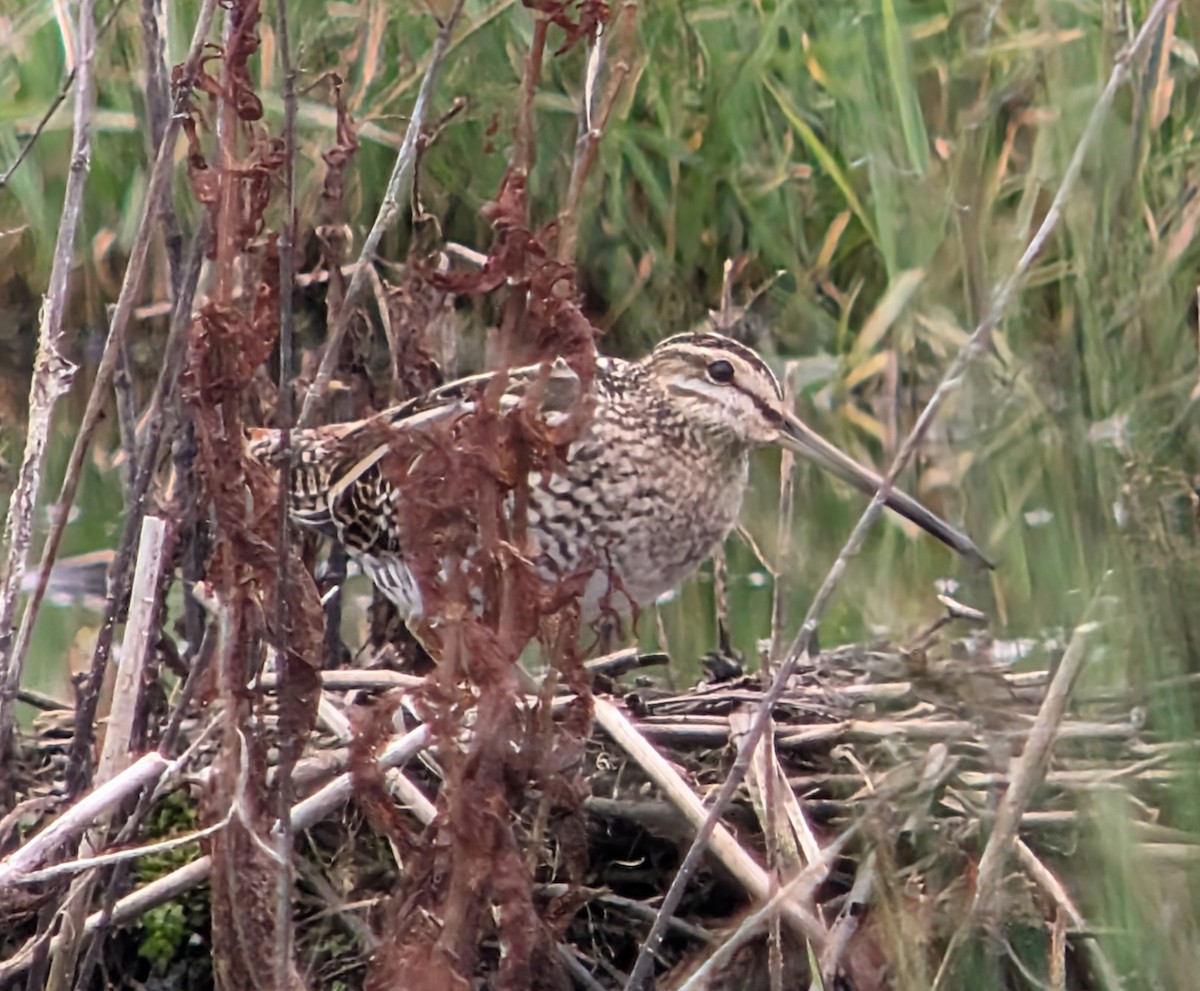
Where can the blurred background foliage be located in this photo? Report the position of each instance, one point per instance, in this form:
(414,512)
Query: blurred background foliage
(874,168)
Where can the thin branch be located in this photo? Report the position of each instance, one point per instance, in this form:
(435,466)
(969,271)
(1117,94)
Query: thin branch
(57,102)
(593,118)
(12,654)
(52,377)
(389,210)
(798,652)
(288,743)
(30,141)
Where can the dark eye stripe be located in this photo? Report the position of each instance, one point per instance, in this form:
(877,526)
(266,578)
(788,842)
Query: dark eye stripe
(689,343)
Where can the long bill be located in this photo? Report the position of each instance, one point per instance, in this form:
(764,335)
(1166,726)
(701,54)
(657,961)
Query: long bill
(797,437)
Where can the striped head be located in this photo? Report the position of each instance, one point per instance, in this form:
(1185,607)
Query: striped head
(728,391)
(720,386)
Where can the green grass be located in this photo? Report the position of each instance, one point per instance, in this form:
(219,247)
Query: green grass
(891,159)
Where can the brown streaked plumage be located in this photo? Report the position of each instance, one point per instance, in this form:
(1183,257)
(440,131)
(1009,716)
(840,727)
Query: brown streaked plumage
(650,488)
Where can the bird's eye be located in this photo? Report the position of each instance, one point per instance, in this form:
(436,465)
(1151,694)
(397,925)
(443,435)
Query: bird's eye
(720,371)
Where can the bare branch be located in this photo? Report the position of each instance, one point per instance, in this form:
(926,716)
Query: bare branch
(288,743)
(593,118)
(52,377)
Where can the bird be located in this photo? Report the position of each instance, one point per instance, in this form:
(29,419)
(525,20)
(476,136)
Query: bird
(648,487)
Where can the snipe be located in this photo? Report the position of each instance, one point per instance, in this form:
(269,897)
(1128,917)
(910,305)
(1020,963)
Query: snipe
(640,499)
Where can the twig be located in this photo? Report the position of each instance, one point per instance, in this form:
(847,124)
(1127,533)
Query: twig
(30,141)
(1027,774)
(593,119)
(288,744)
(80,816)
(798,652)
(724,846)
(57,102)
(52,377)
(13,653)
(389,209)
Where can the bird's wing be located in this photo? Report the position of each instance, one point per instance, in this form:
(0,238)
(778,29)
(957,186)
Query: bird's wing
(552,387)
(338,485)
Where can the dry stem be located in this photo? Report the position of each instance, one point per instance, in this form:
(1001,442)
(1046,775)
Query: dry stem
(114,758)
(52,376)
(724,845)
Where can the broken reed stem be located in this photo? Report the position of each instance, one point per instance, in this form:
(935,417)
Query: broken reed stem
(140,631)
(798,889)
(389,209)
(798,652)
(1028,772)
(724,846)
(147,770)
(52,375)
(13,660)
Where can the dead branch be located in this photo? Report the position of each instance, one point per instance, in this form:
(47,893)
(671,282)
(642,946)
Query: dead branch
(52,377)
